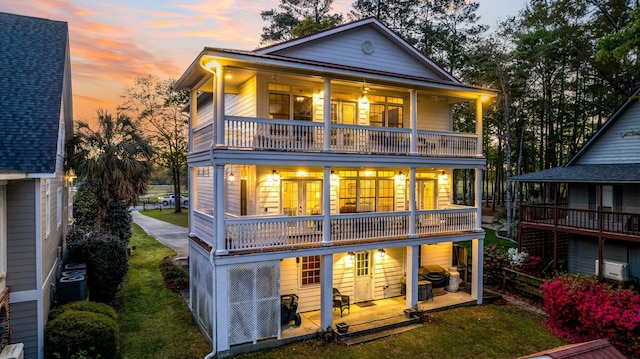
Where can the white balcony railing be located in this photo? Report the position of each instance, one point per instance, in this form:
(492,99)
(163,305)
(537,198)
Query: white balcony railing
(285,135)
(258,233)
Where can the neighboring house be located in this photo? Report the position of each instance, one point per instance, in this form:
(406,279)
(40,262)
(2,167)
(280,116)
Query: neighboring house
(35,121)
(584,217)
(318,163)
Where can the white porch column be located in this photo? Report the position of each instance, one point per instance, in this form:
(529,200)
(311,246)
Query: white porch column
(478,199)
(412,276)
(326,207)
(326,114)
(413,119)
(412,203)
(220,107)
(221,313)
(326,292)
(193,117)
(477,255)
(479,125)
(218,209)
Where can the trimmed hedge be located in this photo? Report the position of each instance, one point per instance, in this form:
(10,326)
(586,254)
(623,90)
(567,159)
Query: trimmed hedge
(85,306)
(106,258)
(74,333)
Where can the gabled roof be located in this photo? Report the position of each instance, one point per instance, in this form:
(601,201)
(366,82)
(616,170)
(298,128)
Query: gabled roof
(371,22)
(572,172)
(616,115)
(32,70)
(341,52)
(610,173)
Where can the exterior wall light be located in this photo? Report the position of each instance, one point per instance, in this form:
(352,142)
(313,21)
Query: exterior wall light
(443,178)
(231,177)
(334,178)
(351,255)
(275,176)
(382,252)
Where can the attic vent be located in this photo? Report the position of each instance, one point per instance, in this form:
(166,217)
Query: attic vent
(367,47)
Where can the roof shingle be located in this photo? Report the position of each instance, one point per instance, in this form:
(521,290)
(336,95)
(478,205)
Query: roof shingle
(32,69)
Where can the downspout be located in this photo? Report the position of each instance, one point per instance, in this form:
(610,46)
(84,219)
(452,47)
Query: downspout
(207,66)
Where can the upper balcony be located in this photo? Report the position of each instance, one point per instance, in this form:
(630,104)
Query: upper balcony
(248,133)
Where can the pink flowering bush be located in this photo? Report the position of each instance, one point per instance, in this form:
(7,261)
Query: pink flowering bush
(581,309)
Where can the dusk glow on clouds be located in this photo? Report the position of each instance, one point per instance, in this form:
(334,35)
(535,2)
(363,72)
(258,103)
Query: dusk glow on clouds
(114,42)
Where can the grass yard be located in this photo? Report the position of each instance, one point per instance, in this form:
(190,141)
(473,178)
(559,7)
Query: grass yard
(488,331)
(155,321)
(179,219)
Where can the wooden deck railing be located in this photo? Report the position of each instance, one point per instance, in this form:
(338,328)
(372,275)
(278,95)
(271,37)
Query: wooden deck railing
(255,233)
(592,220)
(283,135)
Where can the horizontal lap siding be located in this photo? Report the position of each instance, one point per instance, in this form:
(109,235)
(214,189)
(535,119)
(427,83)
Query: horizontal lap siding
(21,236)
(205,110)
(612,145)
(309,296)
(439,254)
(583,251)
(346,49)
(204,185)
(433,115)
(24,327)
(244,102)
(388,273)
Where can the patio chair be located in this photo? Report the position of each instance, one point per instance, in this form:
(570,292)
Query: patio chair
(340,301)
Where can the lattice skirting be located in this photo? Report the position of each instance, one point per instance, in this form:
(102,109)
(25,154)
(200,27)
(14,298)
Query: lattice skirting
(4,318)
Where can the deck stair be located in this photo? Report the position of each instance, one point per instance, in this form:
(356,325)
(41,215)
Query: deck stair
(368,331)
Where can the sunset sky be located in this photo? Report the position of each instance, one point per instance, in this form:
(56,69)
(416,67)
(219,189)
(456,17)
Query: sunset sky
(114,42)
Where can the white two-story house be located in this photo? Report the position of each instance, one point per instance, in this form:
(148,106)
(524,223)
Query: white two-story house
(318,163)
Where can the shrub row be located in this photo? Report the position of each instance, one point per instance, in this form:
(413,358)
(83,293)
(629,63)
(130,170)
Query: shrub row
(82,330)
(581,309)
(106,258)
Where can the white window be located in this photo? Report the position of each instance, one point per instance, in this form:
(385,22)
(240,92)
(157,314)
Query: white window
(59,207)
(310,270)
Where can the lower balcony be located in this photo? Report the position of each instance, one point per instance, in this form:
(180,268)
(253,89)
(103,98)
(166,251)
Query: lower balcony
(278,232)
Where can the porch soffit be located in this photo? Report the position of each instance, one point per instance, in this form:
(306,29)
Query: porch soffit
(609,173)
(333,159)
(289,253)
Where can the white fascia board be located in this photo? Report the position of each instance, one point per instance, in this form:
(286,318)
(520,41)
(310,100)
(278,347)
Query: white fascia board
(42,175)
(12,176)
(246,60)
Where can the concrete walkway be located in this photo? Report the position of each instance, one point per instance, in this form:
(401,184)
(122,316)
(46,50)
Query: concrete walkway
(170,235)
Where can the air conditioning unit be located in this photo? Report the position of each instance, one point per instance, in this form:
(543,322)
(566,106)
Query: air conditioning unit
(614,270)
(13,351)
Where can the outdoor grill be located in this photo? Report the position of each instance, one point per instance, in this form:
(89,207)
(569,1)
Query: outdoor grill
(437,275)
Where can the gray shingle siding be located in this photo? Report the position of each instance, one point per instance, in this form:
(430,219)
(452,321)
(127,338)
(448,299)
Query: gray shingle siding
(21,235)
(24,327)
(32,68)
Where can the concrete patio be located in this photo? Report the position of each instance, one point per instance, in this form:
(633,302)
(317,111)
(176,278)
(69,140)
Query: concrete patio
(379,314)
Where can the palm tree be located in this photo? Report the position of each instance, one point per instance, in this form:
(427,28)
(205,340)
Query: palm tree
(115,159)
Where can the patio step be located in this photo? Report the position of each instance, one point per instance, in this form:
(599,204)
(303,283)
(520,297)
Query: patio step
(364,332)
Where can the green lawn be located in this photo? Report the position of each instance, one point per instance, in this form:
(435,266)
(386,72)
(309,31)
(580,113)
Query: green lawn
(168,215)
(488,331)
(155,321)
